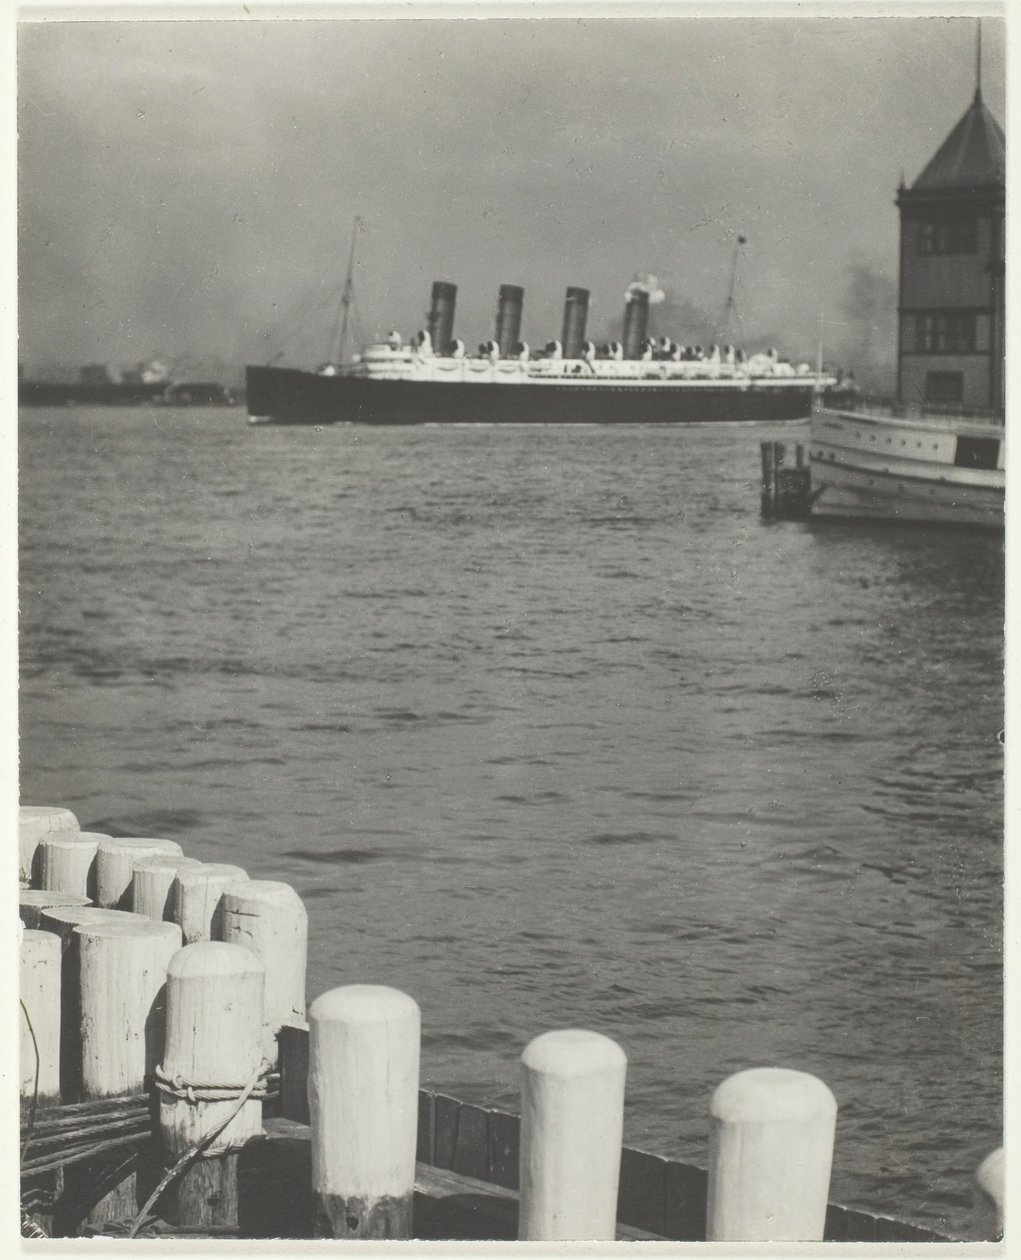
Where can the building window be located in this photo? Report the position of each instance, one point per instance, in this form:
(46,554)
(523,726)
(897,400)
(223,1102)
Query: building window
(944,387)
(947,236)
(945,332)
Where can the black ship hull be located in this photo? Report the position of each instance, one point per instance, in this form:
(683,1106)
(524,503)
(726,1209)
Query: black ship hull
(289,396)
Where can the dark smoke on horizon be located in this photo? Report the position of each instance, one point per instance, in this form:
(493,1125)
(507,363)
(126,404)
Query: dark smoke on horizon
(864,339)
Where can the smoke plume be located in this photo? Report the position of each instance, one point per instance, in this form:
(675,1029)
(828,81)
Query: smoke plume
(864,341)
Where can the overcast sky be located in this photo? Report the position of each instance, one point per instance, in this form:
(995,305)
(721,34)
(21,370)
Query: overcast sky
(189,187)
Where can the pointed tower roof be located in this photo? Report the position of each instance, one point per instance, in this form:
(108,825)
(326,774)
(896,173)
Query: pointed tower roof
(972,156)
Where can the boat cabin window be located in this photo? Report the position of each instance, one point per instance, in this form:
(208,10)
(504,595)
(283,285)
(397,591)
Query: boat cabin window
(977,452)
(948,236)
(944,387)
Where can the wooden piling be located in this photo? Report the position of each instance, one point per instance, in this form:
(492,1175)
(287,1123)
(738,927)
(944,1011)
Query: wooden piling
(989,1197)
(62,921)
(122,975)
(213,1046)
(269,919)
(364,1047)
(67,862)
(572,1119)
(770,1155)
(40,1017)
(33,901)
(115,859)
(152,885)
(34,822)
(786,492)
(198,899)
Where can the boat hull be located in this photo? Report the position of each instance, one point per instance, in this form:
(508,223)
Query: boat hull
(880,467)
(88,393)
(289,396)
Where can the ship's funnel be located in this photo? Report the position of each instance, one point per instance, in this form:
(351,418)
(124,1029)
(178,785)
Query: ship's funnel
(636,323)
(441,316)
(508,318)
(575,317)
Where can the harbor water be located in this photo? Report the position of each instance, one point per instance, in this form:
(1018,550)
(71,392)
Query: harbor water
(549,729)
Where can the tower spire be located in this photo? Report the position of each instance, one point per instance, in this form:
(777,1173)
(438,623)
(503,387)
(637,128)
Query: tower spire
(978,63)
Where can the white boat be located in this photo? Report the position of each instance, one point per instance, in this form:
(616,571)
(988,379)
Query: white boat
(937,453)
(907,462)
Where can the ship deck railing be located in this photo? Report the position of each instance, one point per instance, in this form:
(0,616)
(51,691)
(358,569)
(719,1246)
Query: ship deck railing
(896,409)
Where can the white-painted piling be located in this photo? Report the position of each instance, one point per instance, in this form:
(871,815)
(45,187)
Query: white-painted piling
(40,1017)
(198,899)
(32,901)
(214,1038)
(63,919)
(572,1121)
(34,822)
(115,859)
(364,1046)
(122,977)
(990,1190)
(770,1156)
(62,922)
(152,885)
(122,970)
(269,919)
(67,862)
(214,1043)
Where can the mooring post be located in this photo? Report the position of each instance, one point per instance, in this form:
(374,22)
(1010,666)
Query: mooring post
(572,1122)
(122,969)
(786,492)
(213,1052)
(769,464)
(774,455)
(67,862)
(770,1155)
(61,921)
(269,919)
(33,901)
(989,1196)
(115,860)
(198,899)
(34,822)
(40,1017)
(364,1045)
(152,885)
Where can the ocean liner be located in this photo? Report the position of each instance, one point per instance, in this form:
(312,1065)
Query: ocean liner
(433,379)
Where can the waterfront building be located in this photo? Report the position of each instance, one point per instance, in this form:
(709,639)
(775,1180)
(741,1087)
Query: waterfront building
(951,340)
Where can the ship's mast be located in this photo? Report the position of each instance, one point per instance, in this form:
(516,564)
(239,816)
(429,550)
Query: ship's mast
(346,298)
(730,306)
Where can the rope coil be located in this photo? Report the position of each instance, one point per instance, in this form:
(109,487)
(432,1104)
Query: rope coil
(176,1087)
(193,1092)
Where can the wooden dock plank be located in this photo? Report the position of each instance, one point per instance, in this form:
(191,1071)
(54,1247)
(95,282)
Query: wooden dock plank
(424,1150)
(292,1041)
(641,1199)
(471,1143)
(686,1192)
(504,1149)
(446,1113)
